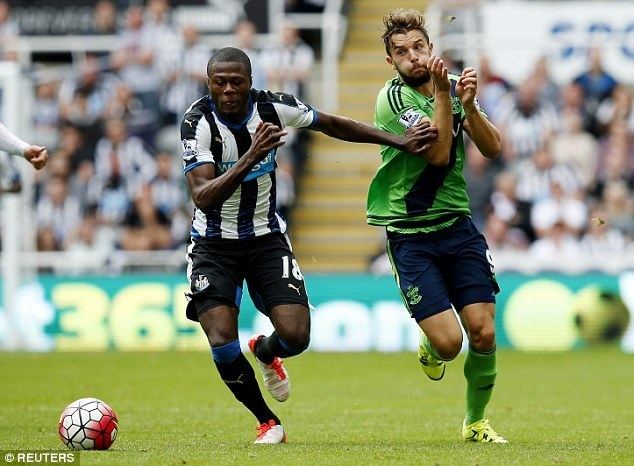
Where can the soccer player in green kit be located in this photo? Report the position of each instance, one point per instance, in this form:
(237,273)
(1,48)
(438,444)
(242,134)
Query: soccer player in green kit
(438,256)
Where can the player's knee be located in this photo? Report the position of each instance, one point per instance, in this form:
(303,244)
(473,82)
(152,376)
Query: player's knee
(219,337)
(482,338)
(448,347)
(297,342)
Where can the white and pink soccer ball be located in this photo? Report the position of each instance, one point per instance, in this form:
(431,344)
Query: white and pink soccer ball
(88,424)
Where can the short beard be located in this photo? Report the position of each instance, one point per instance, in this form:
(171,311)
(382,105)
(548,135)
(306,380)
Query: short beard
(415,82)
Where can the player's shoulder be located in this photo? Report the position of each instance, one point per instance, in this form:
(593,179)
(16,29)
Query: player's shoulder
(395,97)
(263,96)
(192,117)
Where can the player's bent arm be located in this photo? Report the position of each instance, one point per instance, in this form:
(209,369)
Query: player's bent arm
(208,191)
(482,132)
(439,150)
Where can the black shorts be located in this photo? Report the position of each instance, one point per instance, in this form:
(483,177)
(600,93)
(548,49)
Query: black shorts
(436,270)
(217,270)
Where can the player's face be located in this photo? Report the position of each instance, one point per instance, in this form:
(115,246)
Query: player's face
(409,53)
(229,85)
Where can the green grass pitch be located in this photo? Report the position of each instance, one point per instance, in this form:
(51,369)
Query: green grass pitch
(574,408)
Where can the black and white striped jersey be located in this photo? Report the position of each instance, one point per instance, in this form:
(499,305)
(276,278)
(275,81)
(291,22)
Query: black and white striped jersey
(207,138)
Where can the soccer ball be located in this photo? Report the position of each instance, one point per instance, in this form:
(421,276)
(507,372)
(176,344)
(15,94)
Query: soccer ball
(600,316)
(88,424)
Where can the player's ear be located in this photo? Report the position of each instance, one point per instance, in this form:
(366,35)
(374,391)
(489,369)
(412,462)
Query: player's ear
(390,61)
(431,46)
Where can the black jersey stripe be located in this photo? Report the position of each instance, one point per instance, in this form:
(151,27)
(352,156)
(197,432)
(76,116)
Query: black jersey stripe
(398,96)
(423,193)
(214,223)
(389,100)
(273,224)
(249,189)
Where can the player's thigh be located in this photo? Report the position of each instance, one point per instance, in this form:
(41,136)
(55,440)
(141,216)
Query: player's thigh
(418,276)
(444,332)
(215,274)
(220,324)
(470,273)
(273,275)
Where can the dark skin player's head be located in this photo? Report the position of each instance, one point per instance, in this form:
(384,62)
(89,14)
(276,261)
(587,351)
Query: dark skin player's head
(229,82)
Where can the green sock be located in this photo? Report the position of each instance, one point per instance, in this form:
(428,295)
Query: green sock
(480,371)
(430,349)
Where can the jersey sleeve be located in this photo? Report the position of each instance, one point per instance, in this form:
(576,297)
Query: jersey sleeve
(196,141)
(293,112)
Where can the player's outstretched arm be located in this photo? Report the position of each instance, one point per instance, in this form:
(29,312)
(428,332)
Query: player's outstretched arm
(208,191)
(481,131)
(416,140)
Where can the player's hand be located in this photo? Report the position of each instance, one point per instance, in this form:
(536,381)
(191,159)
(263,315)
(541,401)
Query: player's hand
(419,137)
(36,155)
(267,137)
(439,73)
(467,87)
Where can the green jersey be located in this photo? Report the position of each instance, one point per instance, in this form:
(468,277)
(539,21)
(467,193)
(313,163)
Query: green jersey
(408,194)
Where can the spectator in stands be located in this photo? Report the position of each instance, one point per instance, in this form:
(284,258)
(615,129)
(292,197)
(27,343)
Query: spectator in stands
(491,87)
(566,207)
(555,244)
(576,147)
(184,81)
(503,237)
(9,33)
(58,211)
(84,97)
(145,226)
(10,179)
(120,154)
(290,63)
(507,207)
(104,18)
(140,120)
(45,116)
(90,246)
(547,89)
(536,176)
(597,85)
(74,147)
(602,238)
(480,175)
(288,67)
(525,122)
(245,37)
(135,60)
(619,207)
(617,107)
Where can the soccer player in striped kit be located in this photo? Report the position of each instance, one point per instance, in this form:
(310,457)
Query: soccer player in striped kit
(229,141)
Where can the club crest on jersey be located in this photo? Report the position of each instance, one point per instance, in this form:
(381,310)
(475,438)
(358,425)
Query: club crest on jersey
(201,283)
(189,149)
(409,118)
(413,297)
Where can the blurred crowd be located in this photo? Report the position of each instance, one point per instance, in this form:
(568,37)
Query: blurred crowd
(563,185)
(114,179)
